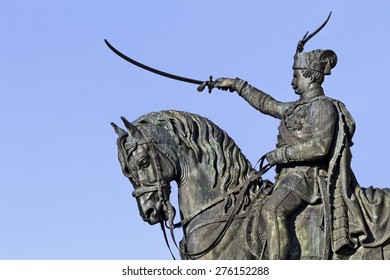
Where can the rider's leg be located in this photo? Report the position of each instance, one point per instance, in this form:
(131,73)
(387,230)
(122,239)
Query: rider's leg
(281,203)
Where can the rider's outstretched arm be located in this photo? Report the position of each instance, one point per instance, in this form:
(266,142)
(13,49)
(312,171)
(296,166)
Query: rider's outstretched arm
(260,100)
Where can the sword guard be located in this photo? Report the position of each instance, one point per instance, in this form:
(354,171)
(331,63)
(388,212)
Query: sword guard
(209,84)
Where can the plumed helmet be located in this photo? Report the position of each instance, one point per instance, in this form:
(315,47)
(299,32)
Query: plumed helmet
(318,60)
(321,61)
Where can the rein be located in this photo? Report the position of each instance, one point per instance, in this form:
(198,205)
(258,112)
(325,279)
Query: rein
(233,214)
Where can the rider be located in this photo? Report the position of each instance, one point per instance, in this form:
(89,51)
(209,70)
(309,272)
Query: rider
(307,140)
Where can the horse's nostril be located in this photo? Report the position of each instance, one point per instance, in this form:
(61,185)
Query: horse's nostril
(149,213)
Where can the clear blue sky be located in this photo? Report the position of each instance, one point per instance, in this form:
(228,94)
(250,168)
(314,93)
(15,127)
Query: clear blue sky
(62,193)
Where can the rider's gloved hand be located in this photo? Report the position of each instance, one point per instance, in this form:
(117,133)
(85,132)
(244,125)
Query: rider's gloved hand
(224,84)
(272,158)
(278,155)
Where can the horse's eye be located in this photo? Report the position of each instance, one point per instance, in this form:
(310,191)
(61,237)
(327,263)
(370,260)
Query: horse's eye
(144,162)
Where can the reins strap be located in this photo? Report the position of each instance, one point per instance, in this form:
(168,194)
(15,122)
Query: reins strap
(166,239)
(171,217)
(235,210)
(218,200)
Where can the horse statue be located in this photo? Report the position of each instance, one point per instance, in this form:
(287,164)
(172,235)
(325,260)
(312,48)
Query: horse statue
(220,193)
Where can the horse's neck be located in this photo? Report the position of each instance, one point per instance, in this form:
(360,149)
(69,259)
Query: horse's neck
(196,185)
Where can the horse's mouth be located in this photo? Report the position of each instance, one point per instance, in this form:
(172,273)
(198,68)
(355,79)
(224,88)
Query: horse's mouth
(152,216)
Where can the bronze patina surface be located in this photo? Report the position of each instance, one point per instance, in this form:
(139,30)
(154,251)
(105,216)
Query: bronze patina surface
(315,209)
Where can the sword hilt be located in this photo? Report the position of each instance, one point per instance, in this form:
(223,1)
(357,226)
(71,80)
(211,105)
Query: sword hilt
(209,84)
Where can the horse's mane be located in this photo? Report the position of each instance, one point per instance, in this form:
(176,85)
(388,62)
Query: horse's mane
(210,144)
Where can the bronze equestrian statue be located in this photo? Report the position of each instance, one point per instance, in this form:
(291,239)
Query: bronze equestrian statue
(314,210)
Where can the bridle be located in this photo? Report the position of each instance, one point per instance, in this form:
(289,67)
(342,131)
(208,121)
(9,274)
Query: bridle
(163,191)
(161,187)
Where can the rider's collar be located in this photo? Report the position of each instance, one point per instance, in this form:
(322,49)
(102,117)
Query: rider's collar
(311,93)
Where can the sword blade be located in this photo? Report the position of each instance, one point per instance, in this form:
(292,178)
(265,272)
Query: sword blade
(153,70)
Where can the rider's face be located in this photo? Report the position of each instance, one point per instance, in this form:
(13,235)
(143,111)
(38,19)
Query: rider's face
(299,83)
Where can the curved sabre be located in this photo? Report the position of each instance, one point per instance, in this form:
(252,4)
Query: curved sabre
(202,84)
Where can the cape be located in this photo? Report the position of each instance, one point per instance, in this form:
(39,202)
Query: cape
(360,216)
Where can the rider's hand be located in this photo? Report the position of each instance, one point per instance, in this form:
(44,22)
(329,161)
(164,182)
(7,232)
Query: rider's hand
(279,155)
(224,84)
(272,157)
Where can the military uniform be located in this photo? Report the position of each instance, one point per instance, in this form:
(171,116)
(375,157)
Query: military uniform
(303,150)
(306,133)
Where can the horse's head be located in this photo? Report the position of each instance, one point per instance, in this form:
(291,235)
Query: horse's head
(149,169)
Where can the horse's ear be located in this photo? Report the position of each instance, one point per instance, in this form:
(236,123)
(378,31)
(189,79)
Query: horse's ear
(118,130)
(133,130)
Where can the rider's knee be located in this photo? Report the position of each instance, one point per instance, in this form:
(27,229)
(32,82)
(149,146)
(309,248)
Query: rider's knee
(271,211)
(268,212)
